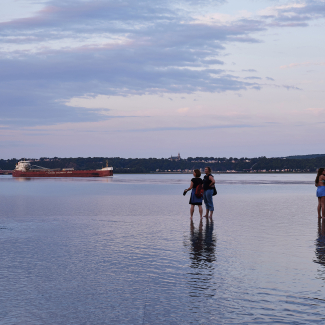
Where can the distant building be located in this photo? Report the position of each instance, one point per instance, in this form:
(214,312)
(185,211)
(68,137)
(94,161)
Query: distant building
(175,158)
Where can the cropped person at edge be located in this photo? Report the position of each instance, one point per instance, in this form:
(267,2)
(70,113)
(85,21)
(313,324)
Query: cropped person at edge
(320,193)
(208,186)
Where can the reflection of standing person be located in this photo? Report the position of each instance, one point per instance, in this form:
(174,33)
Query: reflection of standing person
(196,242)
(320,193)
(194,200)
(209,241)
(208,186)
(320,244)
(202,246)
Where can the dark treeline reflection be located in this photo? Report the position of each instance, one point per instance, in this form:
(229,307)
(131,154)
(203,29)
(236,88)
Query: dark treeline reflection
(320,247)
(202,253)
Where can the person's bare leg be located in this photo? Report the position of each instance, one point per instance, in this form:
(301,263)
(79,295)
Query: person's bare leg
(200,211)
(319,207)
(207,211)
(211,213)
(192,210)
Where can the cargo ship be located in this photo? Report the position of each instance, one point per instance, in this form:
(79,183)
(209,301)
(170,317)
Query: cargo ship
(26,169)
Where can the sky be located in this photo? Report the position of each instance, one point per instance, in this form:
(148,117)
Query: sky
(110,78)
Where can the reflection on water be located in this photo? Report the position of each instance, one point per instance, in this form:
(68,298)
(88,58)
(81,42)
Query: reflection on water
(221,179)
(202,257)
(320,247)
(106,179)
(202,245)
(83,251)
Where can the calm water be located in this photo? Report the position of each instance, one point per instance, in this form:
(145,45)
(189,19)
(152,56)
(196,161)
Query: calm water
(122,250)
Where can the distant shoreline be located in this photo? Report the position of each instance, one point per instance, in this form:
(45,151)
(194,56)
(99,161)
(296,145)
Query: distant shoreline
(179,166)
(222,172)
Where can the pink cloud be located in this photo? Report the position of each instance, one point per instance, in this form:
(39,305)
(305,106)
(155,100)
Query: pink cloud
(302,64)
(316,111)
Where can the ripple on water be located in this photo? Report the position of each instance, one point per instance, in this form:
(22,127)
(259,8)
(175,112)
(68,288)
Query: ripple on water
(125,252)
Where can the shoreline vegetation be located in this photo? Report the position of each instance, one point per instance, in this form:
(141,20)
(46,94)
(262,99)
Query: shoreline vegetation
(290,164)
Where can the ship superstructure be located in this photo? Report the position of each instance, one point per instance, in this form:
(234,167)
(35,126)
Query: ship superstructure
(24,168)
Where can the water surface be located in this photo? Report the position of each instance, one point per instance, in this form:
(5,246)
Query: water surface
(122,250)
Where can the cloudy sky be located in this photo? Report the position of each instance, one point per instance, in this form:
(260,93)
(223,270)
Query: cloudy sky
(153,78)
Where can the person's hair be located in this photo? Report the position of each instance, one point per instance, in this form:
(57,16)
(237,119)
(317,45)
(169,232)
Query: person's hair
(197,172)
(209,169)
(319,173)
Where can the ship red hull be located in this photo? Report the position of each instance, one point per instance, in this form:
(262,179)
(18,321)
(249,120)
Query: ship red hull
(5,172)
(63,173)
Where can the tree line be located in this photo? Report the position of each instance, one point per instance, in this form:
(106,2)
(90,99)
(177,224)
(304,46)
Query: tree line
(148,165)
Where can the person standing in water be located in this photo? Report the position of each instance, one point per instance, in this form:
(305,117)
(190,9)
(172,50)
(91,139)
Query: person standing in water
(208,186)
(320,193)
(194,200)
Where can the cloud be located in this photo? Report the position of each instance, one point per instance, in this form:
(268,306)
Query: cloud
(295,14)
(291,87)
(269,78)
(64,14)
(211,127)
(212,61)
(249,70)
(278,10)
(183,110)
(252,78)
(288,87)
(73,48)
(302,64)
(316,111)
(219,18)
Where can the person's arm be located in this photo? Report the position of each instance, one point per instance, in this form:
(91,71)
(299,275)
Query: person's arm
(191,186)
(211,179)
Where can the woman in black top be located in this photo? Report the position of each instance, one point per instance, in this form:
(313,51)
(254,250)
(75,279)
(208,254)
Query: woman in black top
(193,199)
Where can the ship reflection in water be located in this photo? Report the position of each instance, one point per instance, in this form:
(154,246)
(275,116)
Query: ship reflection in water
(104,179)
(202,258)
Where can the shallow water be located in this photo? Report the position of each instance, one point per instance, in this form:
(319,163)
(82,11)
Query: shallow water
(122,250)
